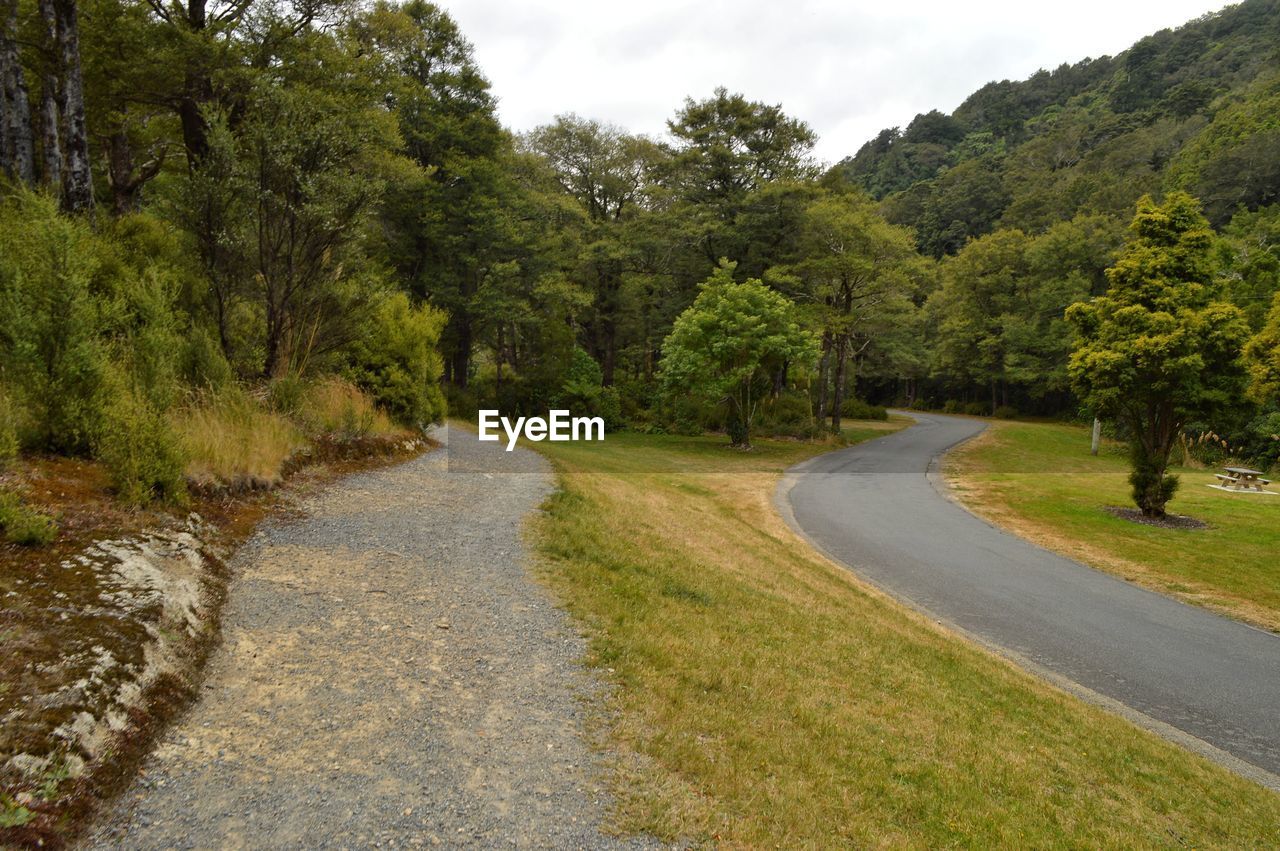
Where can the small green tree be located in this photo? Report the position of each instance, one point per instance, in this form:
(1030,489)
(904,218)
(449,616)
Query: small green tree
(1159,348)
(730,342)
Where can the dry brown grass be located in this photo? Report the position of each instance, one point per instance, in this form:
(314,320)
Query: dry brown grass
(231,439)
(337,408)
(766,698)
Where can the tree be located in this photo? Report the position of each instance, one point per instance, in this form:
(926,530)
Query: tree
(1263,353)
(608,173)
(856,270)
(1159,348)
(446,226)
(728,344)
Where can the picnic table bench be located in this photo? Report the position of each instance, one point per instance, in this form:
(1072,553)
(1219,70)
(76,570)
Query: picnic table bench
(1241,479)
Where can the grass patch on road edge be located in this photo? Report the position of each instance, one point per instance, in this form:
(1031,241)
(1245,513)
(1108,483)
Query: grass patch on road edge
(1039,481)
(764,697)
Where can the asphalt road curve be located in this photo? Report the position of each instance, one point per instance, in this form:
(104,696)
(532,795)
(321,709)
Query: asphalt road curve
(874,508)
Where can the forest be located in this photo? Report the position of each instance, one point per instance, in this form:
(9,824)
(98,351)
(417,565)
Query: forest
(214,214)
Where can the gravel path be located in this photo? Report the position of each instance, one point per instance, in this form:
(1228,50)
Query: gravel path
(390,676)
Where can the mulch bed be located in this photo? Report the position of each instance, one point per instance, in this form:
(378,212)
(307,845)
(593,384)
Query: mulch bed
(1170,521)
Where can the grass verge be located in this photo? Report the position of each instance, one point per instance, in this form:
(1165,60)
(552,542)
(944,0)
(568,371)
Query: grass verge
(1039,481)
(765,698)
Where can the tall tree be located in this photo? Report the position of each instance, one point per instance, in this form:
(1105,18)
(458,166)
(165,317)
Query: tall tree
(1160,347)
(445,225)
(608,173)
(856,268)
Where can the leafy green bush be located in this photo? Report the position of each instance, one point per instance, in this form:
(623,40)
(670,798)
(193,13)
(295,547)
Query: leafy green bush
(856,409)
(952,406)
(54,358)
(1005,412)
(141,452)
(23,525)
(977,409)
(396,361)
(201,364)
(583,394)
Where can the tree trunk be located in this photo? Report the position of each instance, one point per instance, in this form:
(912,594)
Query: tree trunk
(17,140)
(837,401)
(78,185)
(197,90)
(125,179)
(824,374)
(1155,432)
(50,103)
(459,364)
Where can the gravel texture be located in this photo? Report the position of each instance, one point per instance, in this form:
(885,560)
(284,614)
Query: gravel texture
(390,676)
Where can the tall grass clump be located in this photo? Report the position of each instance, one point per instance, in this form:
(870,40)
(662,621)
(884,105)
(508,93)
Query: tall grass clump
(230,439)
(336,408)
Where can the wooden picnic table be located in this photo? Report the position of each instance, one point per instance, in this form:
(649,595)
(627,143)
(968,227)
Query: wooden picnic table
(1242,479)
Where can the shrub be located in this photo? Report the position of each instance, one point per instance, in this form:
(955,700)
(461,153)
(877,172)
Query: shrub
(54,357)
(788,409)
(396,361)
(583,394)
(952,406)
(228,438)
(23,525)
(201,363)
(141,452)
(976,409)
(856,409)
(1005,412)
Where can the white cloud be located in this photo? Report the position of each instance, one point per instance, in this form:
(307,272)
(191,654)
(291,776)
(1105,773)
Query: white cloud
(849,69)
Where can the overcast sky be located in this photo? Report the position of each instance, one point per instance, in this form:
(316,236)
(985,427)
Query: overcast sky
(848,68)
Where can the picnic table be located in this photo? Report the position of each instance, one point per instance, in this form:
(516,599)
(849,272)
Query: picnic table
(1241,479)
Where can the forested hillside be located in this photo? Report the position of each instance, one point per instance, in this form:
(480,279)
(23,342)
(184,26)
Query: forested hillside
(238,198)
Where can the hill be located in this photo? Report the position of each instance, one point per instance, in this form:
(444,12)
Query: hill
(1195,108)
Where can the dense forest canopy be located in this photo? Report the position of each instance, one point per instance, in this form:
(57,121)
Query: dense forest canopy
(253,191)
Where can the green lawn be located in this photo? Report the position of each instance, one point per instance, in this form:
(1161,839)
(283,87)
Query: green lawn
(1040,481)
(765,698)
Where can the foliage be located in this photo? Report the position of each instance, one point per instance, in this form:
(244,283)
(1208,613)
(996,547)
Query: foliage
(1263,353)
(141,452)
(23,525)
(396,360)
(856,409)
(727,344)
(1159,348)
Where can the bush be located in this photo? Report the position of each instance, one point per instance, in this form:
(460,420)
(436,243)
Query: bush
(54,358)
(201,364)
(856,409)
(23,525)
(952,406)
(141,452)
(1005,412)
(582,392)
(396,361)
(977,409)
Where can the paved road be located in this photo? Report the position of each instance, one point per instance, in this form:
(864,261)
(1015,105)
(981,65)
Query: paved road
(873,508)
(390,676)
